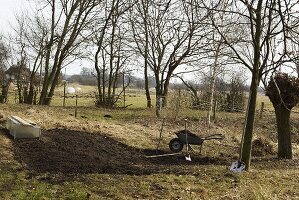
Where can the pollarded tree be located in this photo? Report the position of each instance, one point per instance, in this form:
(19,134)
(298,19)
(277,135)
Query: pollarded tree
(252,30)
(283,91)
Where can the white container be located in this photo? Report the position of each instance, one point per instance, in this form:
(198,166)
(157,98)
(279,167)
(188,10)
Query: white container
(71,90)
(21,128)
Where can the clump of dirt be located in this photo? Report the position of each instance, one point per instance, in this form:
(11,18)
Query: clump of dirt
(262,147)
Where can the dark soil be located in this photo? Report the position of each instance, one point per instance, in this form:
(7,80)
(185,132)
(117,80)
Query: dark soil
(70,152)
(62,155)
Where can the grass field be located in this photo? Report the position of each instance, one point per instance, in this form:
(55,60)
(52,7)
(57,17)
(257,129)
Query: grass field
(93,157)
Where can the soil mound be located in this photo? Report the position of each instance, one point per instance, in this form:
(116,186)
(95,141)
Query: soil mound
(69,151)
(261,147)
(63,154)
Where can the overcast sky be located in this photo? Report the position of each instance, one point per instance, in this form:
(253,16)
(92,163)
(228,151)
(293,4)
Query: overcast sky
(8,10)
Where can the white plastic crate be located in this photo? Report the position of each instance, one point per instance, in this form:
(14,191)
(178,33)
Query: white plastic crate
(22,128)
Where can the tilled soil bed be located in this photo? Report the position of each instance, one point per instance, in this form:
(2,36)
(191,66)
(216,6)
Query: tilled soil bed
(69,152)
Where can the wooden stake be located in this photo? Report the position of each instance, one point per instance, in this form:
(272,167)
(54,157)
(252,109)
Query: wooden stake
(177,105)
(186,135)
(76,107)
(15,97)
(124,89)
(262,109)
(160,136)
(214,111)
(64,87)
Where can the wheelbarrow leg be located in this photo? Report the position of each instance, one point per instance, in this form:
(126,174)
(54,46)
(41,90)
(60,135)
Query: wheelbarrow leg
(200,148)
(191,149)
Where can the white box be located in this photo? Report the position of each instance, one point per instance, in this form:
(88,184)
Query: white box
(21,128)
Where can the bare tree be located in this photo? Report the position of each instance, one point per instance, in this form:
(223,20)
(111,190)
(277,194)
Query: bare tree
(68,25)
(251,28)
(99,34)
(216,55)
(111,55)
(171,36)
(140,29)
(4,82)
(29,38)
(19,72)
(193,91)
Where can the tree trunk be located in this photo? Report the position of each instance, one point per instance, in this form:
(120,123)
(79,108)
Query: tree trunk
(104,81)
(165,94)
(158,95)
(30,97)
(213,83)
(4,92)
(99,100)
(249,124)
(19,87)
(49,80)
(44,90)
(166,85)
(146,86)
(256,77)
(283,132)
(158,105)
(54,83)
(212,89)
(45,87)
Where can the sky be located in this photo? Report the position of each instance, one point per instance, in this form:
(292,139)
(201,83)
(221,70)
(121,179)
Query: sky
(8,11)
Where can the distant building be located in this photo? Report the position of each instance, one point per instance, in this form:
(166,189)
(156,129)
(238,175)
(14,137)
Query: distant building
(17,72)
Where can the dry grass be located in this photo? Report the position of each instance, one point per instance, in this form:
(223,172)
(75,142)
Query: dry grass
(206,177)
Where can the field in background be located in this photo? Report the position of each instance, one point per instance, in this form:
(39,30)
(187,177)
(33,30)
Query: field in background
(133,96)
(94,157)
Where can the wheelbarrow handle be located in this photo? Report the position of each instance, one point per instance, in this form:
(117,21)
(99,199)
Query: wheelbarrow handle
(214,137)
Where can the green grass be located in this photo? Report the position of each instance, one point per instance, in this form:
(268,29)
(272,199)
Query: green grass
(211,183)
(138,127)
(135,98)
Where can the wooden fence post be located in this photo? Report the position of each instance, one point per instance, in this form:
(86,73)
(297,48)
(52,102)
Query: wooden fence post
(64,87)
(76,107)
(262,109)
(214,110)
(178,104)
(124,90)
(15,96)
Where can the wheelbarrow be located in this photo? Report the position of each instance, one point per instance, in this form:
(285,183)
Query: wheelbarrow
(185,137)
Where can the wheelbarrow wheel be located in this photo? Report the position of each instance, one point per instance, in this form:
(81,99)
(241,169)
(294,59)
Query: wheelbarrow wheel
(176,145)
